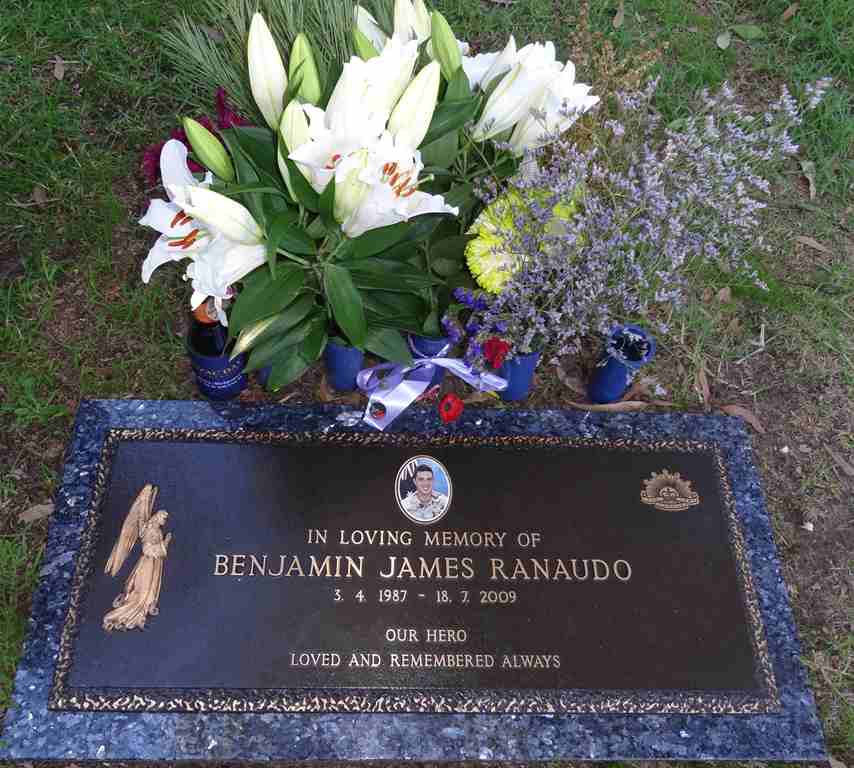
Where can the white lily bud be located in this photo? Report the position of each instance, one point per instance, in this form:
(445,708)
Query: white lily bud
(304,68)
(293,133)
(501,65)
(368,26)
(421,19)
(267,76)
(404,20)
(411,117)
(219,212)
(446,49)
(208,149)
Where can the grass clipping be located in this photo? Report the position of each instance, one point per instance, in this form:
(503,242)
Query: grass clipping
(208,50)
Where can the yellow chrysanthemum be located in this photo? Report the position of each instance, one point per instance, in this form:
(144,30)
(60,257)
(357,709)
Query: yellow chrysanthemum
(489,256)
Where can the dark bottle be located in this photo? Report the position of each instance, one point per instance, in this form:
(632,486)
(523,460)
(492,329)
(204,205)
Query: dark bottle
(208,336)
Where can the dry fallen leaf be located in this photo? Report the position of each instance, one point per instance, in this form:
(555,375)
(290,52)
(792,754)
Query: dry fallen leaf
(620,16)
(36,512)
(808,168)
(571,382)
(58,68)
(39,195)
(836,763)
(790,11)
(734,326)
(701,385)
(725,295)
(746,414)
(843,464)
(326,394)
(623,405)
(812,243)
(723,40)
(480,397)
(707,295)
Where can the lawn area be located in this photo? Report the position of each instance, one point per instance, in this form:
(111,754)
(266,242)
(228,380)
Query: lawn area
(86,87)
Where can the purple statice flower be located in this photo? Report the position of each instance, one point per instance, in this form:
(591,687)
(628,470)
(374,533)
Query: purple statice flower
(607,235)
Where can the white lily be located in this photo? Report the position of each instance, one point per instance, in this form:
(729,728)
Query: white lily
(370,28)
(219,213)
(267,76)
(220,261)
(482,69)
(392,195)
(562,103)
(519,90)
(293,133)
(412,115)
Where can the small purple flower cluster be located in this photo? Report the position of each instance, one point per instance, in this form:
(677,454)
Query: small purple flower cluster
(651,199)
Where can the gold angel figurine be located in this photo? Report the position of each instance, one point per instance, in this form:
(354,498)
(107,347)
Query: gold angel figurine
(139,599)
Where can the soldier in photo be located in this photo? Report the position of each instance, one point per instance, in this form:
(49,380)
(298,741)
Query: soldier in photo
(424,504)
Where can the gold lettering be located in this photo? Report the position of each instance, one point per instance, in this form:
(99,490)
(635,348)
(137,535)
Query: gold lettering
(468,571)
(390,573)
(596,575)
(295,566)
(518,570)
(221,563)
(352,566)
(560,569)
(497,565)
(262,566)
(325,569)
(575,570)
(628,570)
(431,538)
(281,568)
(238,561)
(540,568)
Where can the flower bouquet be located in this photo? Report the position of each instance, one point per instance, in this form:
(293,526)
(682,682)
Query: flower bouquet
(344,215)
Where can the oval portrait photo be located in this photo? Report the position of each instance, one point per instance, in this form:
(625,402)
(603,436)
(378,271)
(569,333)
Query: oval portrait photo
(423,490)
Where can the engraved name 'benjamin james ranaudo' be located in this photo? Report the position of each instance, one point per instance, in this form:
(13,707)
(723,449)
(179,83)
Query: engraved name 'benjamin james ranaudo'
(526,565)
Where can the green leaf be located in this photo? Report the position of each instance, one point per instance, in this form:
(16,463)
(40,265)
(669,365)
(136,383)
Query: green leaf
(261,331)
(230,190)
(389,345)
(445,267)
(265,297)
(258,143)
(286,234)
(386,275)
(462,195)
(431,324)
(748,31)
(441,152)
(263,354)
(305,194)
(317,229)
(452,248)
(391,304)
(459,87)
(288,366)
(315,342)
(449,116)
(245,173)
(346,303)
(326,205)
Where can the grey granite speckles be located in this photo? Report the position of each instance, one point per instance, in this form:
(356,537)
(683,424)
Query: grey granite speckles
(32,732)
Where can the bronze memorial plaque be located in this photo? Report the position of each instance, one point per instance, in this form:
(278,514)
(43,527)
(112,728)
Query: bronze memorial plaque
(271,572)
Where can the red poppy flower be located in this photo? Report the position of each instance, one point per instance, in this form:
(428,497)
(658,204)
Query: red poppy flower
(450,408)
(495,350)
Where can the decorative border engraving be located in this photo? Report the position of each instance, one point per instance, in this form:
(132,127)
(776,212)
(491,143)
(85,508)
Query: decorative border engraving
(389,700)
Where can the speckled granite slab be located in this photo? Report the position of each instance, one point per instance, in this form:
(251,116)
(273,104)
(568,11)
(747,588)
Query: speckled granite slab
(32,732)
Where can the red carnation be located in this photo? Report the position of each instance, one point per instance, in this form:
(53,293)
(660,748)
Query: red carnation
(495,350)
(450,408)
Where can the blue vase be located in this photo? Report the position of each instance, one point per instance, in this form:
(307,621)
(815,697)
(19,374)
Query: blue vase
(519,373)
(427,346)
(342,364)
(218,378)
(629,347)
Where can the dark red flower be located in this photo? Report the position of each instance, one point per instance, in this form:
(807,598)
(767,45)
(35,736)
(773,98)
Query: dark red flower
(450,408)
(226,117)
(151,162)
(495,350)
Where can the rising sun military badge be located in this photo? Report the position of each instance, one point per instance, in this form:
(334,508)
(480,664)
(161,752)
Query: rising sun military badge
(668,492)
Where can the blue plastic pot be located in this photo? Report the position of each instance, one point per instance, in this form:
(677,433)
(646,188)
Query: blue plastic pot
(629,347)
(218,378)
(519,373)
(262,375)
(343,362)
(427,346)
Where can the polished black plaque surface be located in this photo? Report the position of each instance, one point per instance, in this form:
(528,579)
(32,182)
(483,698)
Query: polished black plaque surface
(549,580)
